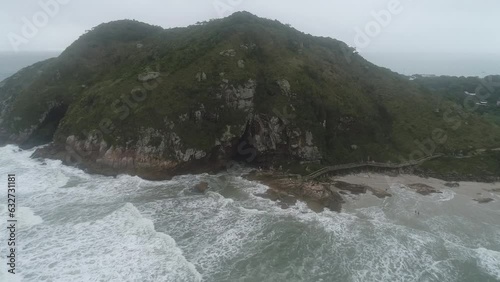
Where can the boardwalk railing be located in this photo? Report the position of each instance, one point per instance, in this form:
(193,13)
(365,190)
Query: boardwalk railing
(328,169)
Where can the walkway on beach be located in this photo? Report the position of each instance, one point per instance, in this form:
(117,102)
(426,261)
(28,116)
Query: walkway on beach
(328,169)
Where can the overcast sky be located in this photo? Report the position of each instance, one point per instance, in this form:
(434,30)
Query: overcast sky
(452,26)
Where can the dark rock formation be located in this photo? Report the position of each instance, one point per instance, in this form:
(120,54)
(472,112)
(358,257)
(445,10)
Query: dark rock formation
(316,195)
(483,200)
(424,189)
(360,189)
(201,187)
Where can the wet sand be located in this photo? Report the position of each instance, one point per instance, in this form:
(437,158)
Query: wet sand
(382,182)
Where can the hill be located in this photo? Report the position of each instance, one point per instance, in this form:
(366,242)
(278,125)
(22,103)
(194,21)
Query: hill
(131,97)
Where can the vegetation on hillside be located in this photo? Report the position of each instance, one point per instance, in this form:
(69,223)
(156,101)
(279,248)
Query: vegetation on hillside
(356,110)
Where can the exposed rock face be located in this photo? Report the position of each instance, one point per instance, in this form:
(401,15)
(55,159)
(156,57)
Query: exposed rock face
(38,133)
(308,151)
(241,64)
(201,76)
(148,76)
(156,162)
(165,150)
(240,97)
(141,155)
(266,133)
(228,53)
(285,87)
(250,46)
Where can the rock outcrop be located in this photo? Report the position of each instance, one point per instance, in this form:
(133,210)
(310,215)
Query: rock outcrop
(452,184)
(317,195)
(423,189)
(483,200)
(148,76)
(357,189)
(201,187)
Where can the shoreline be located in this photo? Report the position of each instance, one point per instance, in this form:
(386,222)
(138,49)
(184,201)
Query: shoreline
(466,188)
(327,191)
(332,193)
(158,172)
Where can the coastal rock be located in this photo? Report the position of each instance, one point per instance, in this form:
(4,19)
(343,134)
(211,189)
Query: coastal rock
(201,187)
(483,200)
(423,189)
(317,195)
(357,189)
(452,184)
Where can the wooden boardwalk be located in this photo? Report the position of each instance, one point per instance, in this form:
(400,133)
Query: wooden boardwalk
(328,169)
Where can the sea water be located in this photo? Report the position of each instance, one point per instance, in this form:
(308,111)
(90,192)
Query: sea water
(11,62)
(79,227)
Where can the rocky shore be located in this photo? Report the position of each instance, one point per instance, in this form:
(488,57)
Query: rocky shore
(287,189)
(111,163)
(317,195)
(325,192)
(330,193)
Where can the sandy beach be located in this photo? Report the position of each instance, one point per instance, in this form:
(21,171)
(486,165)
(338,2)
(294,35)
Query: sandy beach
(381,182)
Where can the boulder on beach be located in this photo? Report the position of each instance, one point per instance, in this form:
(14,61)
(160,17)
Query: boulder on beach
(423,189)
(452,184)
(360,189)
(483,200)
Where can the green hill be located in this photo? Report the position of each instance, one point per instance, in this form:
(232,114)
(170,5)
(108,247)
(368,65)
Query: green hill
(131,97)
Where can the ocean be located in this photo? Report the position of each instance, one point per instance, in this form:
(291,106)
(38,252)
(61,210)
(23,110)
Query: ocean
(11,62)
(479,65)
(79,227)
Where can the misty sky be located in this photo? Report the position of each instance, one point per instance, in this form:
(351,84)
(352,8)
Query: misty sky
(419,26)
(457,26)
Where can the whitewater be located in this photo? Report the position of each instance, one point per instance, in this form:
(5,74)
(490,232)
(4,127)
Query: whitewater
(74,226)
